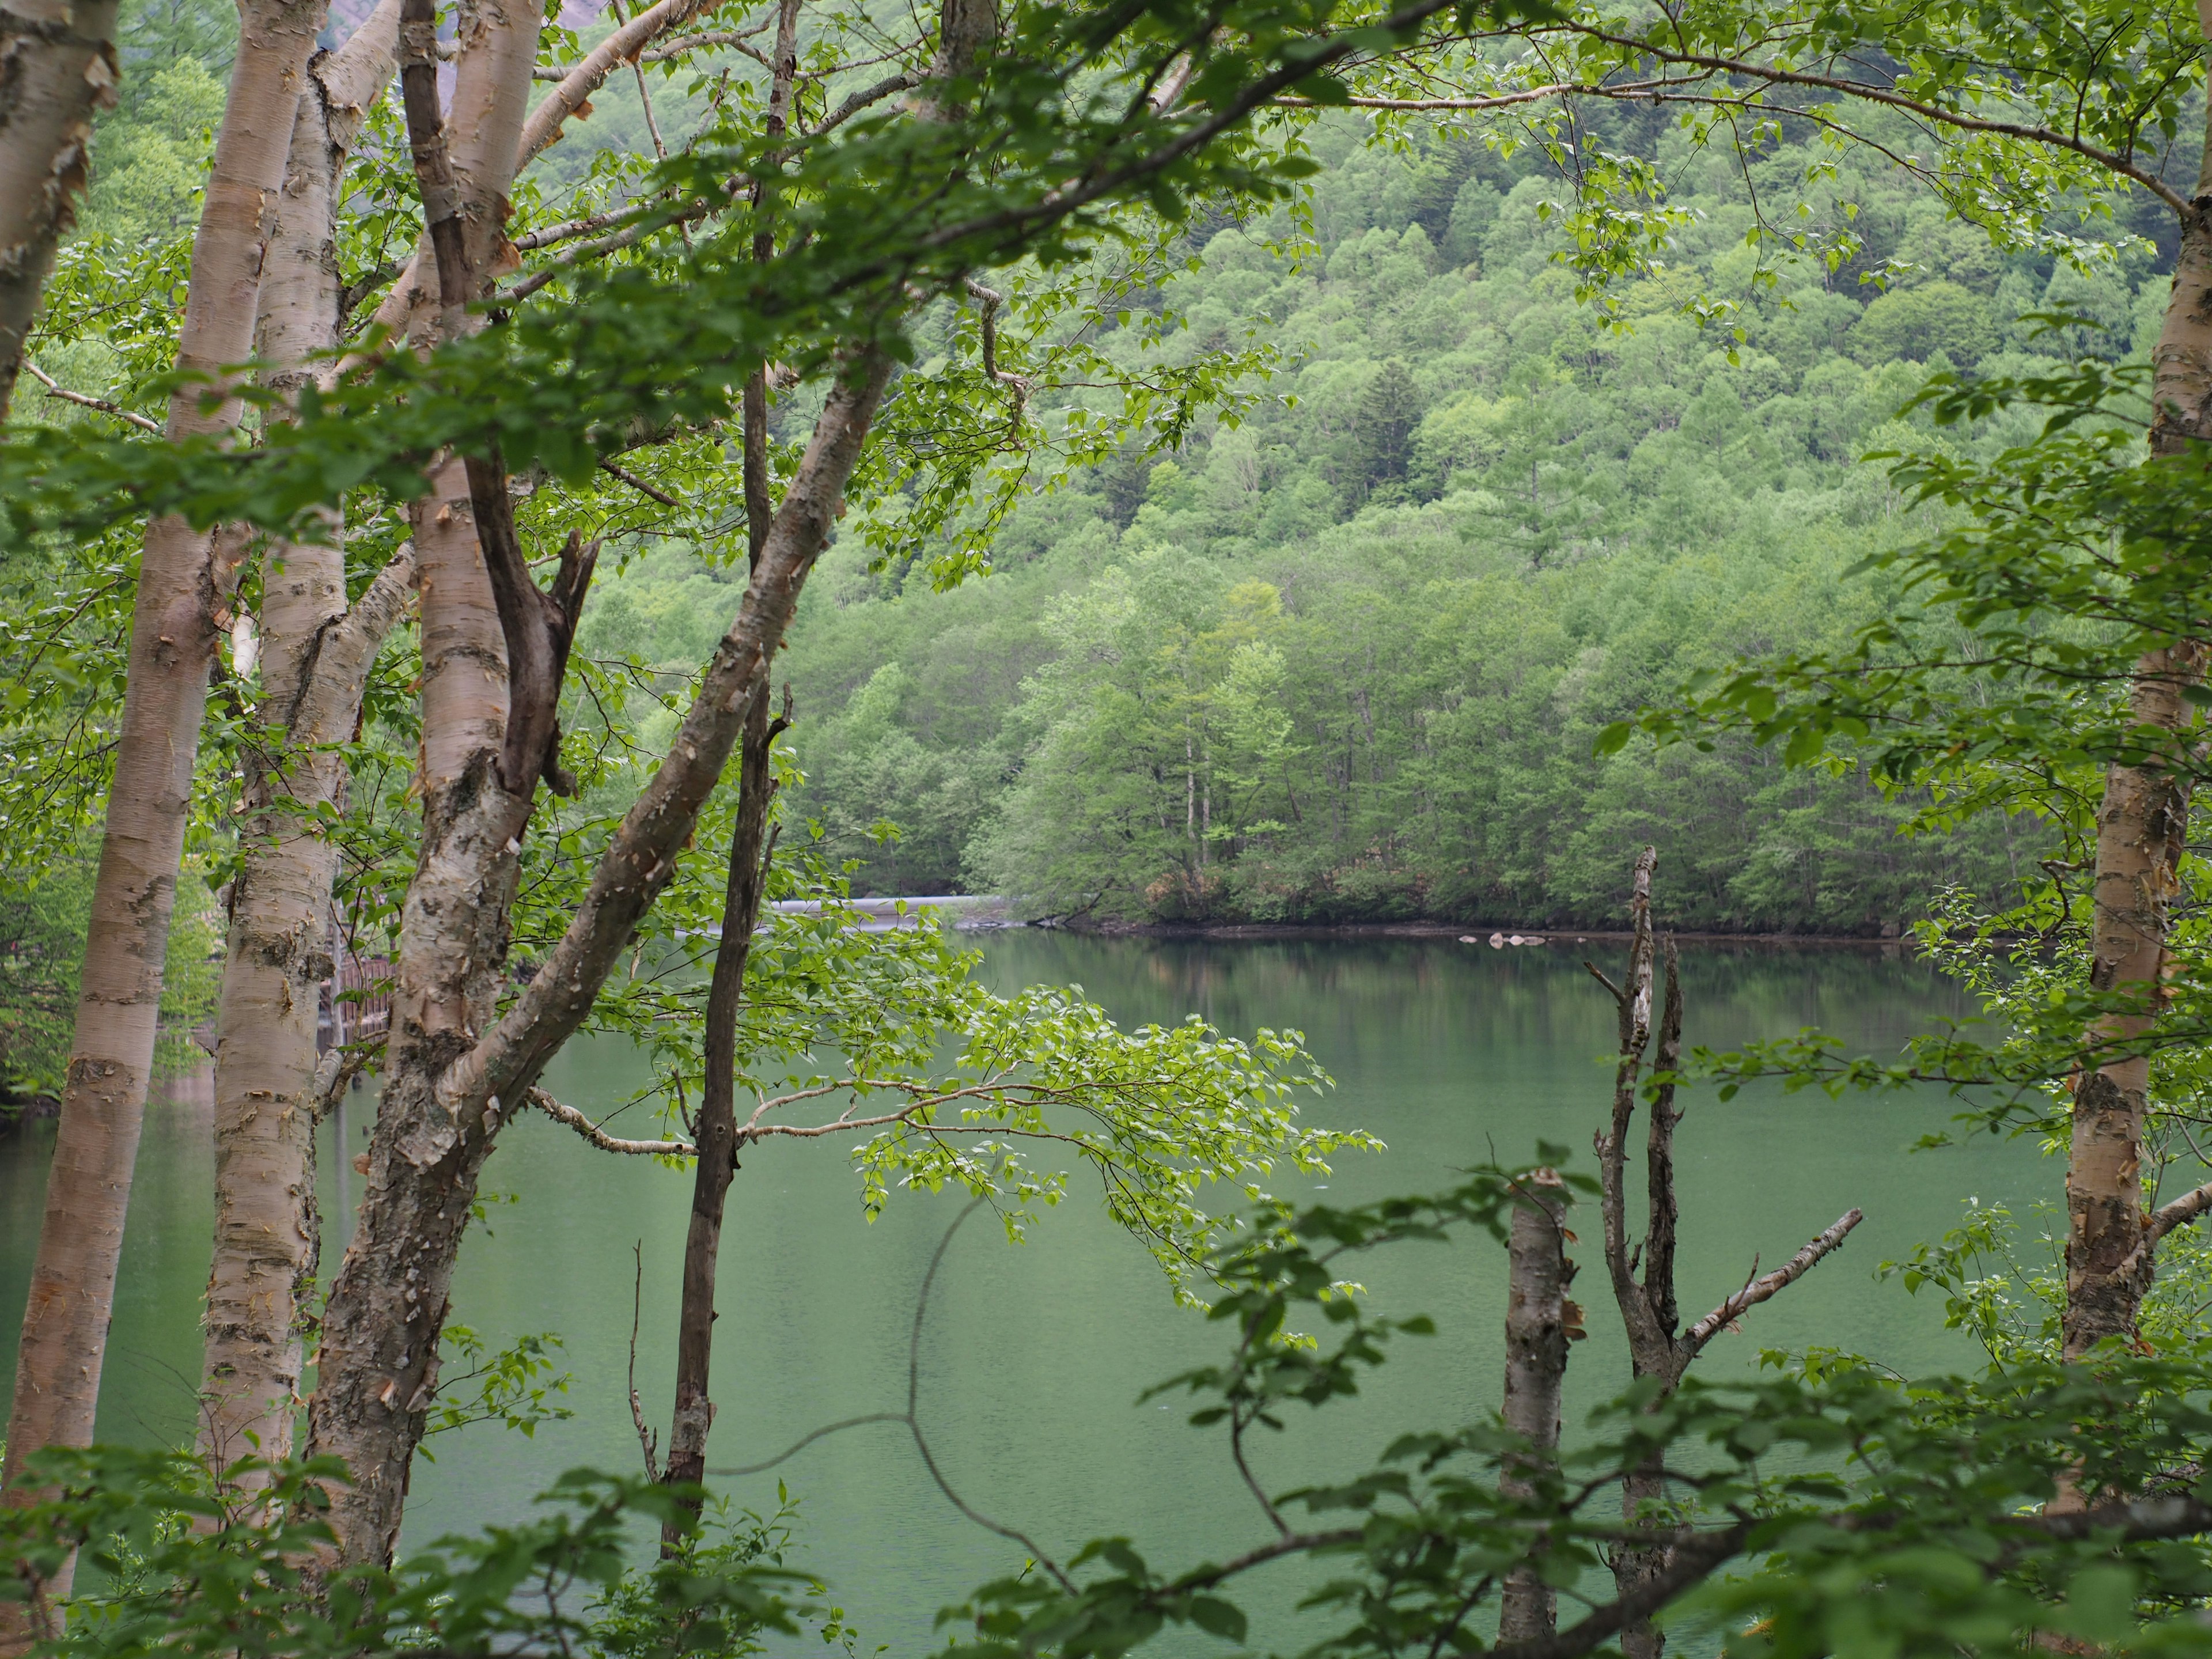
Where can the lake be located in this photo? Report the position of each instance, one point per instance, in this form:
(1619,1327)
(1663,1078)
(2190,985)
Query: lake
(1033,1356)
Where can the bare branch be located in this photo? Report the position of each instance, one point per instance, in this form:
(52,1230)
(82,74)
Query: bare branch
(2179,1213)
(1501,101)
(599,1138)
(615,470)
(1759,1289)
(63,394)
(905,81)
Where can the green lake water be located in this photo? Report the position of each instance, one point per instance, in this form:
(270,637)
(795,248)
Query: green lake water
(1033,1356)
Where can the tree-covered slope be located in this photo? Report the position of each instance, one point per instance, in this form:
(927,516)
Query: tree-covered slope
(1345,656)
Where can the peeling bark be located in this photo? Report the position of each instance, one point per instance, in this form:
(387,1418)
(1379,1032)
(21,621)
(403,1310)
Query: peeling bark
(2142,825)
(315,664)
(1537,1325)
(449,1088)
(56,67)
(173,644)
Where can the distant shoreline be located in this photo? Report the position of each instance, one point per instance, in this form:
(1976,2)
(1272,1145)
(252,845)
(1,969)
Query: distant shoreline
(1477,933)
(983,912)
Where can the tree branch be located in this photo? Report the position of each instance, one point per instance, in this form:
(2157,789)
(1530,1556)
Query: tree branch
(615,470)
(640,859)
(2178,1213)
(1759,1289)
(64,395)
(599,1138)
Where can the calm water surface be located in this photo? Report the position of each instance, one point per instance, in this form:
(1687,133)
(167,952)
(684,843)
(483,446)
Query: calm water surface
(1033,1356)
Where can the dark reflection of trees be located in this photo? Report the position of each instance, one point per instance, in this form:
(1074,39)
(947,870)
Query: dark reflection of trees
(1439,989)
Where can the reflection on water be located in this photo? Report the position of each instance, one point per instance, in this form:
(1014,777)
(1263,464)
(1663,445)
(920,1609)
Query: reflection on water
(1034,1356)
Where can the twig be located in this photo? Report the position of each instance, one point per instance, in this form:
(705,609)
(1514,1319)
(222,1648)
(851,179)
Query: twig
(64,395)
(644,94)
(1759,1290)
(614,469)
(912,1419)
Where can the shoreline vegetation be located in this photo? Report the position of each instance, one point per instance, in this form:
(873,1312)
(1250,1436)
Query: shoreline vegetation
(991,913)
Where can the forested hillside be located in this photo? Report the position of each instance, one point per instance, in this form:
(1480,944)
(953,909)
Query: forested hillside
(1347,659)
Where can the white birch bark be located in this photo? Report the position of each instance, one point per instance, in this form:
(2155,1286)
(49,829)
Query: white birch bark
(315,663)
(56,67)
(173,643)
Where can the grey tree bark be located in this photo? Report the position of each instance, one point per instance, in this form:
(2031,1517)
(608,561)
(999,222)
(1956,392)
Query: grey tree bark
(1657,1346)
(2142,822)
(315,658)
(1538,1320)
(172,654)
(56,67)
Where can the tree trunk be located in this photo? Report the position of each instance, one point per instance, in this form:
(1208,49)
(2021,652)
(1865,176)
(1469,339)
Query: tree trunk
(56,67)
(448,1087)
(718,1126)
(1536,1366)
(717,1141)
(315,663)
(172,654)
(455,920)
(449,1082)
(2142,825)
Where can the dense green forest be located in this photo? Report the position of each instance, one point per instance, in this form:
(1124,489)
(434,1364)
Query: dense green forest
(1345,659)
(1272,461)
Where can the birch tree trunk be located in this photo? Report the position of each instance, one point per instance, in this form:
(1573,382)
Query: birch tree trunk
(56,67)
(456,1066)
(455,920)
(1536,1326)
(172,654)
(2142,826)
(314,664)
(450,1083)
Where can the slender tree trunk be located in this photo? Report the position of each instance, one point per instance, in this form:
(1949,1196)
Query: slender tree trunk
(172,654)
(314,665)
(2142,826)
(717,1125)
(56,67)
(1536,1326)
(717,1161)
(448,1088)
